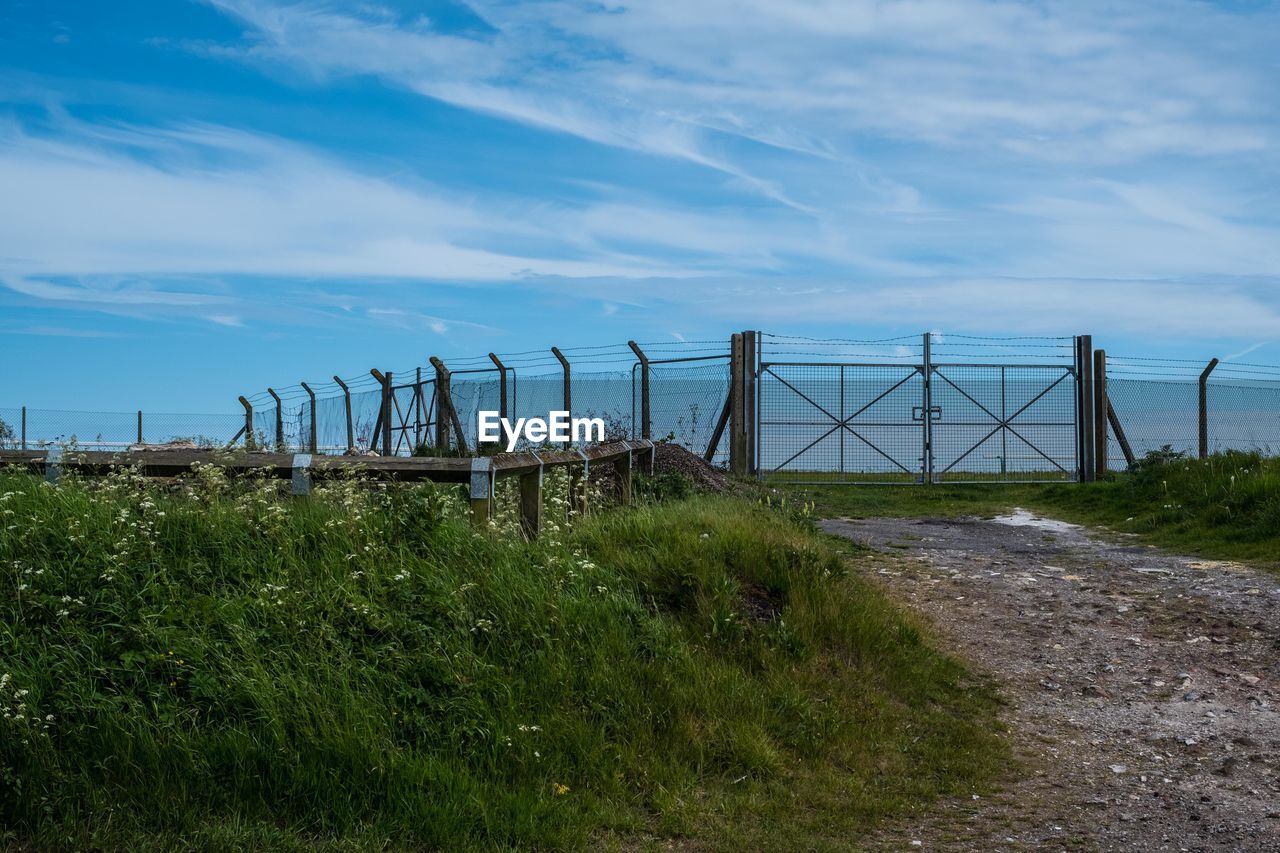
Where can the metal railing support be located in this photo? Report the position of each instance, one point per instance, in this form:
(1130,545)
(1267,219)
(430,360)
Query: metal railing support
(346,399)
(249,440)
(568,396)
(1204,407)
(646,423)
(1100,448)
(312,445)
(279,420)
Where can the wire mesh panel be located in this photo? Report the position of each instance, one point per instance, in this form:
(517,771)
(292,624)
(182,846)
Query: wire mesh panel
(1244,415)
(1001,423)
(841,423)
(1155,413)
(686,400)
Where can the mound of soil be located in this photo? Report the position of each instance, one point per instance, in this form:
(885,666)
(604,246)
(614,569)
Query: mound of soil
(672,458)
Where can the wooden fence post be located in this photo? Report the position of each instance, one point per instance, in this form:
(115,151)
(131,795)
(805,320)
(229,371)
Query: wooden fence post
(531,502)
(346,399)
(481,491)
(312,445)
(139,426)
(568,396)
(446,414)
(646,424)
(579,484)
(249,439)
(1204,408)
(623,467)
(502,384)
(279,421)
(1101,471)
(737,416)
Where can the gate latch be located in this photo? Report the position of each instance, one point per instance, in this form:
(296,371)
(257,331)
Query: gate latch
(917,413)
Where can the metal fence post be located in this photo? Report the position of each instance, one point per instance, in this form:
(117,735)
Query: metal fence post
(279,420)
(1100,415)
(568,396)
(346,398)
(749,397)
(312,445)
(24,427)
(446,414)
(737,414)
(1204,408)
(1084,407)
(646,424)
(926,414)
(502,384)
(249,439)
(139,426)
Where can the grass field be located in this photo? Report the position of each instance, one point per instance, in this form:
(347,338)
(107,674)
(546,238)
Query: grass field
(1226,506)
(217,665)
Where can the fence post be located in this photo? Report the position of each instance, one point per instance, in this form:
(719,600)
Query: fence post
(279,421)
(481,491)
(502,384)
(346,399)
(749,397)
(249,440)
(139,426)
(1100,448)
(24,427)
(446,414)
(531,502)
(312,445)
(384,411)
(1084,406)
(1204,408)
(568,398)
(646,424)
(623,466)
(737,414)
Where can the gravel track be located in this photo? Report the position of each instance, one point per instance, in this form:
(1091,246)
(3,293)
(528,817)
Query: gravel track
(1142,686)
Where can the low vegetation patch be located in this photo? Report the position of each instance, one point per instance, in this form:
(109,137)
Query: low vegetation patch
(215,664)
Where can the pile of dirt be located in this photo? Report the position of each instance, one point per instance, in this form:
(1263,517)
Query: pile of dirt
(674,459)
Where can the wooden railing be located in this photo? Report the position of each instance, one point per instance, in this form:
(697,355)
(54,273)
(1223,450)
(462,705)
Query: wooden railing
(479,473)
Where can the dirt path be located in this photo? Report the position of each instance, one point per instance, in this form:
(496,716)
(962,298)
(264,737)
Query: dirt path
(1143,687)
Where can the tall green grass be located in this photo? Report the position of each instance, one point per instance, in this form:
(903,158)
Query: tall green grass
(216,664)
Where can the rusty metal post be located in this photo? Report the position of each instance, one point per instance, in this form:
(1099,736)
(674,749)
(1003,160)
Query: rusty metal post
(646,423)
(568,398)
(1204,408)
(312,445)
(279,420)
(346,398)
(502,384)
(249,440)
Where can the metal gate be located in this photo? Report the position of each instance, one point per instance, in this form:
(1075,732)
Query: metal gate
(917,423)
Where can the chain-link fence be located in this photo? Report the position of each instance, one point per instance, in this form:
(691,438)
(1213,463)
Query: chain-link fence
(1158,402)
(31,428)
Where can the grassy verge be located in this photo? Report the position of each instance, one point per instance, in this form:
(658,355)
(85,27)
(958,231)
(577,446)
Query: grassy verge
(216,665)
(1226,506)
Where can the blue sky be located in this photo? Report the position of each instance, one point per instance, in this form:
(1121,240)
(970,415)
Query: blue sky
(199,199)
